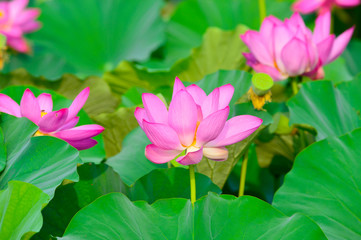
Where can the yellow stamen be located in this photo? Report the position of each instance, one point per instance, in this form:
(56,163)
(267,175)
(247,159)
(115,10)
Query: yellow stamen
(39,133)
(43,113)
(1,14)
(259,101)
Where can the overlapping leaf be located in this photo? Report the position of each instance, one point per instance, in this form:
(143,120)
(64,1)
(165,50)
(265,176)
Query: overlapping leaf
(20,210)
(325,184)
(42,161)
(332,111)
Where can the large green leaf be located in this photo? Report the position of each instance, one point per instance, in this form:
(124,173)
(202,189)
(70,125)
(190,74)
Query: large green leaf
(184,32)
(94,181)
(220,50)
(330,110)
(213,217)
(338,71)
(169,183)
(20,210)
(95,154)
(131,163)
(325,184)
(96,35)
(42,161)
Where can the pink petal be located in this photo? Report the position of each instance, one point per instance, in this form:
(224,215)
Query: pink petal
(340,44)
(45,102)
(19,44)
(29,15)
(155,108)
(183,117)
(140,114)
(225,95)
(216,153)
(294,57)
(267,32)
(324,48)
(211,103)
(17,7)
(347,3)
(9,106)
(297,21)
(272,71)
(178,85)
(30,26)
(162,135)
(282,35)
(307,6)
(29,107)
(83,144)
(70,124)
(78,103)
(211,127)
(197,93)
(235,130)
(257,46)
(53,120)
(322,28)
(191,157)
(159,155)
(80,133)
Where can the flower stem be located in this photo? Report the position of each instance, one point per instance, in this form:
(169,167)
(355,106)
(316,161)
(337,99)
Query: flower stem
(262,9)
(193,184)
(294,85)
(242,182)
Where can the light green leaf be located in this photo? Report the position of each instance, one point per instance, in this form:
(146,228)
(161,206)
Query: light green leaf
(213,217)
(117,125)
(337,71)
(42,161)
(220,50)
(20,210)
(331,111)
(218,172)
(325,184)
(169,183)
(131,163)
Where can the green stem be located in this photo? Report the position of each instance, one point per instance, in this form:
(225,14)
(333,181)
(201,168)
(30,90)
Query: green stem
(242,182)
(193,184)
(262,9)
(294,85)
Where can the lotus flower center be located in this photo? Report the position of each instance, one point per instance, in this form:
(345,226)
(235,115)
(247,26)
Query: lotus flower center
(192,149)
(39,133)
(1,14)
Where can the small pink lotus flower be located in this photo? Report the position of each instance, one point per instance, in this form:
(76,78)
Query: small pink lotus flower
(60,124)
(309,6)
(195,124)
(15,21)
(289,48)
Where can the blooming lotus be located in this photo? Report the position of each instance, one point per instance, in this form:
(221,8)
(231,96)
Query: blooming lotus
(60,124)
(15,21)
(309,6)
(194,125)
(289,48)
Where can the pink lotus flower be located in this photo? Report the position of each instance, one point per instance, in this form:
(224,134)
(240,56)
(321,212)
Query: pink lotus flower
(60,124)
(195,124)
(309,6)
(289,48)
(15,21)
